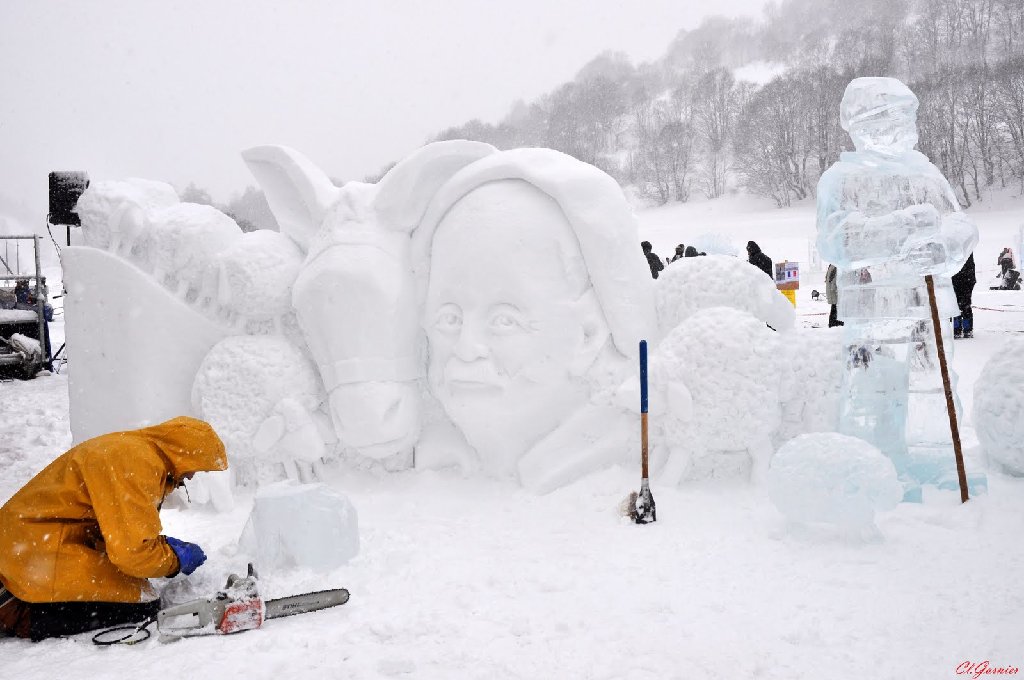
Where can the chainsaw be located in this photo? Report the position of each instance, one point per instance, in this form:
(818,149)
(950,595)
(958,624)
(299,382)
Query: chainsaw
(237,608)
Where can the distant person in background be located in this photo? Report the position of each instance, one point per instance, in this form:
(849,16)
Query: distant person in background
(680,250)
(759,259)
(963,286)
(690,251)
(832,295)
(1005,261)
(652,259)
(26,298)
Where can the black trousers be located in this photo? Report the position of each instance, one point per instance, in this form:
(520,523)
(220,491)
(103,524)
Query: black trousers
(833,320)
(41,620)
(965,322)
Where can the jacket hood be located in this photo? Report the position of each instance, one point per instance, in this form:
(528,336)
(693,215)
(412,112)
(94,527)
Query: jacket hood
(753,248)
(189,444)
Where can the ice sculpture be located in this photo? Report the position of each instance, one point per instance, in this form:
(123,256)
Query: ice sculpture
(831,478)
(999,407)
(535,295)
(887,217)
(300,527)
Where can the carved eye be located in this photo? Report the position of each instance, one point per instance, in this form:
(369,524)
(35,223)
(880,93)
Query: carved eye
(449,319)
(506,320)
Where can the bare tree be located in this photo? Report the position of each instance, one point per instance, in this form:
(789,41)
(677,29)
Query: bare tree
(714,113)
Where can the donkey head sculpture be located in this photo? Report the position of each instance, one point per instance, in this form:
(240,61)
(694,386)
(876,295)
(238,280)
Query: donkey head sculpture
(355,296)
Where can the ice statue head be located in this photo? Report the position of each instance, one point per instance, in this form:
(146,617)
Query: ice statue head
(880,114)
(531,290)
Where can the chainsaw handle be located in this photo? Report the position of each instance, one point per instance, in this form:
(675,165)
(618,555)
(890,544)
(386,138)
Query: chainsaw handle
(191,618)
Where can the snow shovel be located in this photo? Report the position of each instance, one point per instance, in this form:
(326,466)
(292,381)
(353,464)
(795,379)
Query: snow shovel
(642,510)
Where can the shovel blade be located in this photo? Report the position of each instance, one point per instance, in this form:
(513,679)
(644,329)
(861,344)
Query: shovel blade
(644,510)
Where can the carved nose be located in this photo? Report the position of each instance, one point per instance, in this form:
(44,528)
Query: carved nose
(470,345)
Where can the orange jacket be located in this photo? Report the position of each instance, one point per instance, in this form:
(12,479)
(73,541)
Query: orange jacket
(88,526)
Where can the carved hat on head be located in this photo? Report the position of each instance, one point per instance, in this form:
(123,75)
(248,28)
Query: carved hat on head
(868,98)
(598,214)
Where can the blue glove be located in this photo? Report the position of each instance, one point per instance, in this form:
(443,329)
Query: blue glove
(190,555)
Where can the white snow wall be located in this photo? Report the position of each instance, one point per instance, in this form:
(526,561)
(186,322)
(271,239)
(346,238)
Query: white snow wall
(112,311)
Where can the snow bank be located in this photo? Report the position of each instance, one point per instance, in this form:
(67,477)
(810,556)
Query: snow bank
(999,407)
(834,479)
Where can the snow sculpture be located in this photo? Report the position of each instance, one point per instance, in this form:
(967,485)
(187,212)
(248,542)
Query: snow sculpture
(719,281)
(811,367)
(886,218)
(999,407)
(474,307)
(834,479)
(103,209)
(307,527)
(725,359)
(136,347)
(354,297)
(184,241)
(261,394)
(536,295)
(256,273)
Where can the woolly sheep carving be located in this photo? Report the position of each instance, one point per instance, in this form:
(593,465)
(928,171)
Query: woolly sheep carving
(112,214)
(185,240)
(694,283)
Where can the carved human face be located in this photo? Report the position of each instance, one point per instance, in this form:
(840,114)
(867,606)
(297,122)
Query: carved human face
(888,132)
(510,319)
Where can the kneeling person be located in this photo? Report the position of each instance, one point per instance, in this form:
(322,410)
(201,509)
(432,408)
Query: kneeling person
(79,541)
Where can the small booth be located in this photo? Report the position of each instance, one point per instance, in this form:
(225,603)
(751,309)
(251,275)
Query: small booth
(787,279)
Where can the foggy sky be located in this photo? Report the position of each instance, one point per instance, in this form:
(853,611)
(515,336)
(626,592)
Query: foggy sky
(174,90)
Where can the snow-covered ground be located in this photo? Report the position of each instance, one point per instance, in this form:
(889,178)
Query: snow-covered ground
(462,578)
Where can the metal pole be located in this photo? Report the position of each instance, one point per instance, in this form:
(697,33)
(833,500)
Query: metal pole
(40,310)
(950,408)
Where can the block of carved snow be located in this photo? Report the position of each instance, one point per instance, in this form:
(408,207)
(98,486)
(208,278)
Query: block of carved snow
(831,478)
(257,272)
(101,207)
(184,241)
(695,283)
(305,526)
(728,362)
(243,381)
(999,407)
(812,365)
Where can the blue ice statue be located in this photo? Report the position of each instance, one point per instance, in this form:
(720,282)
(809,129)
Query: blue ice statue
(886,218)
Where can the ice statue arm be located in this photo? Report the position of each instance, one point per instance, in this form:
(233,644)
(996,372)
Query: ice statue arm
(853,239)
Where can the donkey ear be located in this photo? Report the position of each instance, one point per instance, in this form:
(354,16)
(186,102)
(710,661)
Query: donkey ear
(403,193)
(299,193)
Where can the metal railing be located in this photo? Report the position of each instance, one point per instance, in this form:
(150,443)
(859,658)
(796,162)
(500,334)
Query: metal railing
(38,276)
